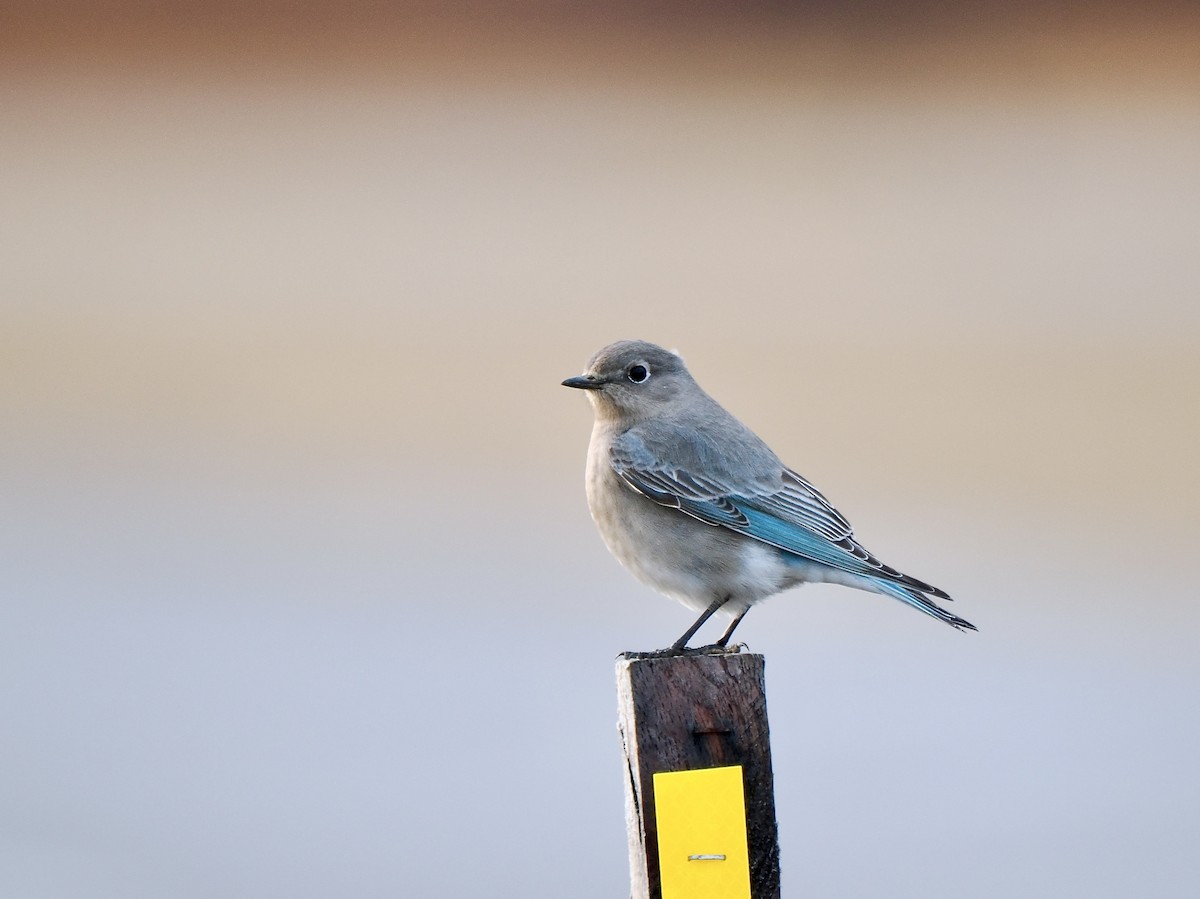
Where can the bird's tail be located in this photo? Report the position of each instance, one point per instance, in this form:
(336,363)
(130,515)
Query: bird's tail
(924,603)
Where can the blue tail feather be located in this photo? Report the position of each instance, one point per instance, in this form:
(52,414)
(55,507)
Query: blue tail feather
(926,605)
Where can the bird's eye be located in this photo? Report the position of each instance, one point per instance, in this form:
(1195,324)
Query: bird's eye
(638,373)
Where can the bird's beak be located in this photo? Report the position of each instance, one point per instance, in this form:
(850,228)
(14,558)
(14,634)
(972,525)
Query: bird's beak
(584,382)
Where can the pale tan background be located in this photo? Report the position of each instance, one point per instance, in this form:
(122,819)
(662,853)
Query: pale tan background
(300,594)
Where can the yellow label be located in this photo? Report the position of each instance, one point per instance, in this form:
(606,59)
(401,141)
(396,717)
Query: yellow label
(701,817)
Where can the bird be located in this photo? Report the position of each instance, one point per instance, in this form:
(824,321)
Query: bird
(697,506)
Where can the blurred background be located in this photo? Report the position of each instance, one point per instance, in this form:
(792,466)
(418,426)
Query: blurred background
(300,595)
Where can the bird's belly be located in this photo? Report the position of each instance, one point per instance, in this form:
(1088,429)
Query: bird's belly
(688,560)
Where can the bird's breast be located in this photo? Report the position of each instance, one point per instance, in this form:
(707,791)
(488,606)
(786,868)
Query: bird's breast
(675,553)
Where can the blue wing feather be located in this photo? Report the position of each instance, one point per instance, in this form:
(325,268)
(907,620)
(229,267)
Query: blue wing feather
(792,516)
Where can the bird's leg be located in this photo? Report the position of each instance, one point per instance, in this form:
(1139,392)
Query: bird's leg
(732,625)
(716,604)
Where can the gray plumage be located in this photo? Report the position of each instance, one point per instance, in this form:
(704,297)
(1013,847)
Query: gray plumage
(696,505)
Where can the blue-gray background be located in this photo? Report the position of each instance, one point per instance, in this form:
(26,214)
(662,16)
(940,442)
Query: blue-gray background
(300,596)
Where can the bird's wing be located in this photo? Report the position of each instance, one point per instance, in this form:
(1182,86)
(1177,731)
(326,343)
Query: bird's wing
(765,500)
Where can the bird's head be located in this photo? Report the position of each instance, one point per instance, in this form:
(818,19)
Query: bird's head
(632,380)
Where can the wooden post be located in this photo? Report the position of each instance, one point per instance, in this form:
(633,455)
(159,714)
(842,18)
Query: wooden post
(683,712)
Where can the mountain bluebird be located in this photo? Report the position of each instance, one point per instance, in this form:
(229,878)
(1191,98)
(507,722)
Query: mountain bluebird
(696,505)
